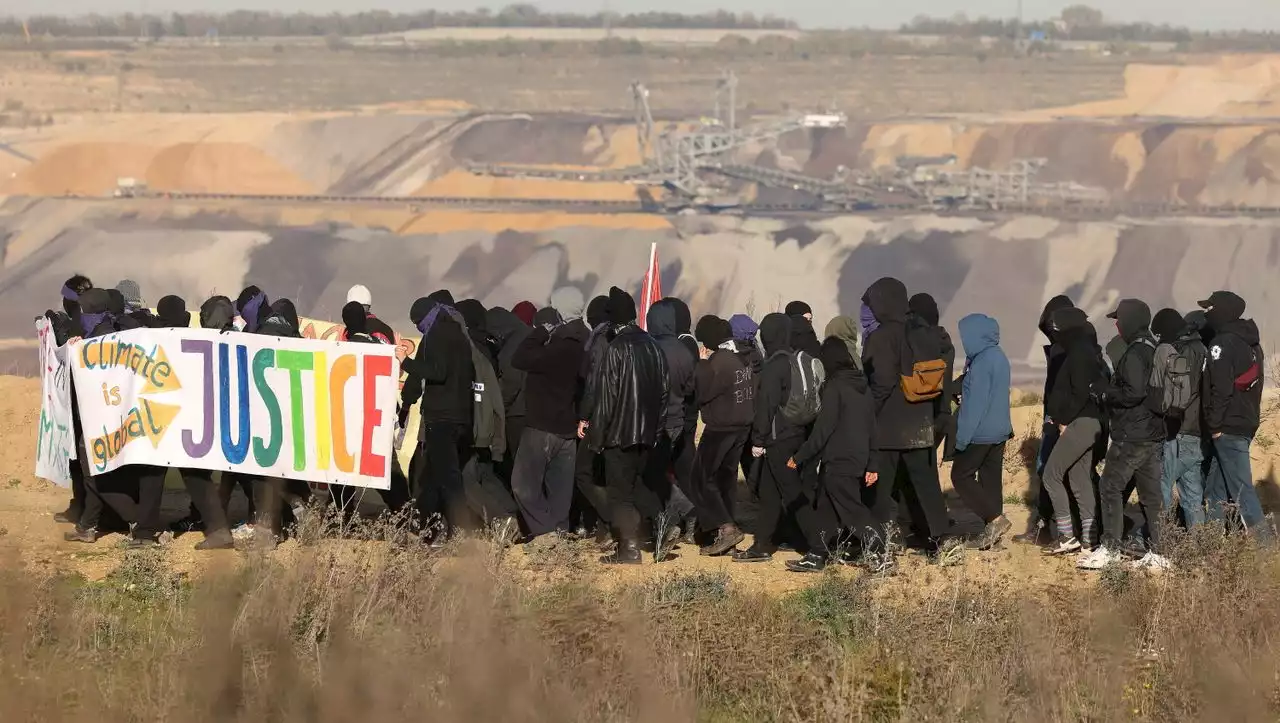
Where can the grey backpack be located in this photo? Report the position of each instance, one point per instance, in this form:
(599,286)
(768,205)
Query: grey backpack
(1173,377)
(804,397)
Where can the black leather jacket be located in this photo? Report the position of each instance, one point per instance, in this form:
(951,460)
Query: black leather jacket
(631,387)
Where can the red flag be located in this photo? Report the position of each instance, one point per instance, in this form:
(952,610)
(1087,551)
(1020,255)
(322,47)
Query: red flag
(652,289)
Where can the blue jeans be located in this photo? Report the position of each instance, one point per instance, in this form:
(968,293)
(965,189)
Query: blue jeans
(1231,480)
(1184,465)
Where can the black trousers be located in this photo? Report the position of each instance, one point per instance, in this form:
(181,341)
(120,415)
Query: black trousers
(624,475)
(205,499)
(785,503)
(683,452)
(1143,463)
(589,478)
(978,476)
(654,499)
(515,438)
(251,488)
(134,492)
(715,476)
(912,477)
(847,512)
(446,449)
(488,497)
(944,434)
(347,497)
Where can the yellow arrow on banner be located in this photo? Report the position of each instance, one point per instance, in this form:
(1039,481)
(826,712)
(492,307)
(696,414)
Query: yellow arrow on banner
(159,374)
(159,417)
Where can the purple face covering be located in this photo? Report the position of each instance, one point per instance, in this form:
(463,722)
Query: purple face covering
(429,320)
(250,312)
(70,294)
(89,322)
(868,321)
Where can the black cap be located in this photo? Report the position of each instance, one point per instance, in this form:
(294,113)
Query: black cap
(1222,298)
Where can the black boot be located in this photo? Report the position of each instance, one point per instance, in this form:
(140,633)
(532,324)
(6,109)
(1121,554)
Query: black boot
(628,553)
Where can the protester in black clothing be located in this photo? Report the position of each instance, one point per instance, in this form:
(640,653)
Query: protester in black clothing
(358,329)
(724,387)
(66,326)
(474,315)
(904,429)
(924,311)
(1040,521)
(252,307)
(1235,374)
(589,480)
(1137,439)
(803,338)
(282,320)
(683,450)
(844,439)
(625,419)
(509,331)
(134,492)
(774,440)
(672,499)
(543,476)
(440,374)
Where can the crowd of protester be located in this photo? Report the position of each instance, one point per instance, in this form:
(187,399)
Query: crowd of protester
(574,419)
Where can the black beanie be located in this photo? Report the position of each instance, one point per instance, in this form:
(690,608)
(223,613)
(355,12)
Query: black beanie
(420,309)
(547,315)
(712,331)
(797,308)
(622,308)
(598,311)
(684,318)
(172,311)
(442,297)
(1168,325)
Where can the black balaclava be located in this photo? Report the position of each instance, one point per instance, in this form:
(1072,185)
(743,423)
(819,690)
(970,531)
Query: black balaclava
(253,306)
(712,331)
(285,309)
(924,306)
(622,308)
(442,296)
(1133,317)
(797,308)
(355,319)
(1168,325)
(887,299)
(71,291)
(115,302)
(419,310)
(775,333)
(684,318)
(172,312)
(94,309)
(473,312)
(598,311)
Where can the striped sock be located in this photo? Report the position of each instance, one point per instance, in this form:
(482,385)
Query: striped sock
(1064,527)
(1086,532)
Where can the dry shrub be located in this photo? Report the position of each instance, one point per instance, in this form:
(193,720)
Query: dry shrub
(343,630)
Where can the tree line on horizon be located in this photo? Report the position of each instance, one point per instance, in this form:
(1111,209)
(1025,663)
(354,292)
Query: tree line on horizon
(248,23)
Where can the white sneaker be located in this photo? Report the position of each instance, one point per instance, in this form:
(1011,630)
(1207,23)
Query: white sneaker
(1100,558)
(1152,561)
(1064,546)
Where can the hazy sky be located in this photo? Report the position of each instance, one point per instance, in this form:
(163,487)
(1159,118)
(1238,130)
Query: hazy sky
(1204,14)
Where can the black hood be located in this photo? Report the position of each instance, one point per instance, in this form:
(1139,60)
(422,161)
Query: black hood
(1222,308)
(1168,325)
(504,325)
(442,296)
(1055,304)
(1133,319)
(797,308)
(661,320)
(284,309)
(684,317)
(925,308)
(1246,329)
(887,299)
(775,333)
(217,313)
(598,311)
(115,302)
(1069,324)
(172,312)
(838,363)
(473,313)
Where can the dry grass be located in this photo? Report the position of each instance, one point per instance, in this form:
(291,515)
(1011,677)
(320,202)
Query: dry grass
(382,631)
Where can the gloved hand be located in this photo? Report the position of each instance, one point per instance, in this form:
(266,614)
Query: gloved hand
(757,452)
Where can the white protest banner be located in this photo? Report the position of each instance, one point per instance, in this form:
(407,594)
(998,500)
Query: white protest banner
(320,411)
(55,445)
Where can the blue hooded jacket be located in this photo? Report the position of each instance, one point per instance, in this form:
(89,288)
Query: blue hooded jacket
(984,406)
